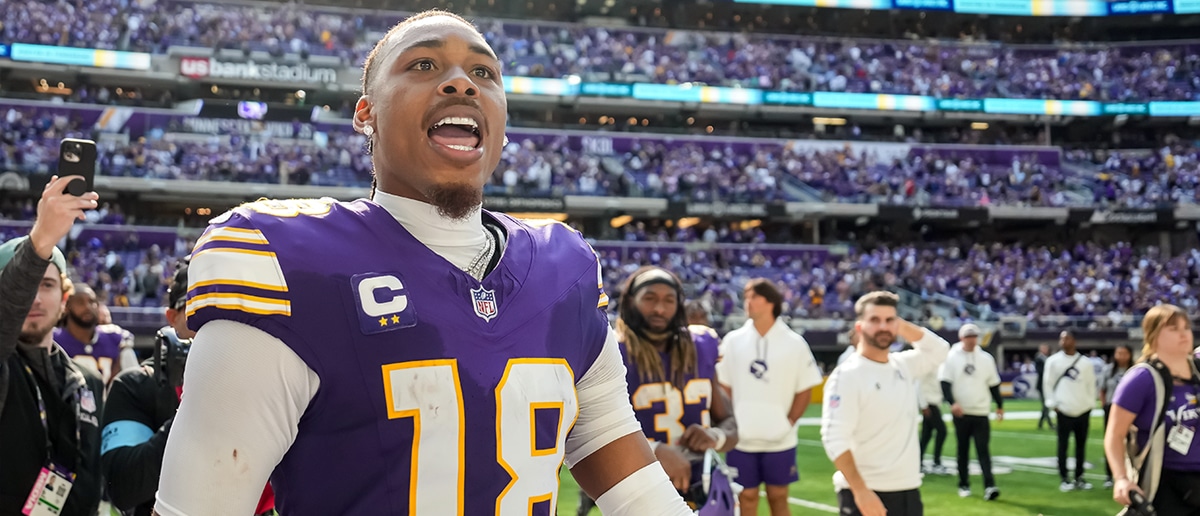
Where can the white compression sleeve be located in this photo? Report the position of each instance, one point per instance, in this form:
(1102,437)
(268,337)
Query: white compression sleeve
(646,491)
(605,412)
(244,394)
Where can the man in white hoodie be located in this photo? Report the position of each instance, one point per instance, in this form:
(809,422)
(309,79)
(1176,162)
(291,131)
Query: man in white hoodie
(868,425)
(1070,383)
(770,373)
(968,377)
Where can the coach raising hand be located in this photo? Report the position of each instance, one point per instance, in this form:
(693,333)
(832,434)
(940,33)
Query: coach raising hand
(868,424)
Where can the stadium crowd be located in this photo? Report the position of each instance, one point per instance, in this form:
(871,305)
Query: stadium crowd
(549,163)
(772,62)
(1099,283)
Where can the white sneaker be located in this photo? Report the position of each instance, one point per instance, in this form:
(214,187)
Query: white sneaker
(964,492)
(1066,487)
(939,469)
(1081,485)
(991,493)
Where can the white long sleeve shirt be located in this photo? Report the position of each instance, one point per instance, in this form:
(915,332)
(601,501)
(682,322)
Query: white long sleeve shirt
(249,391)
(869,412)
(1075,395)
(971,377)
(930,392)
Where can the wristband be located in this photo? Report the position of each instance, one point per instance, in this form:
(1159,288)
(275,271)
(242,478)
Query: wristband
(718,435)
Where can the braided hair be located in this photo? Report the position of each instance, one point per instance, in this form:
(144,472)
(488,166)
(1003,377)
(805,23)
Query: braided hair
(637,336)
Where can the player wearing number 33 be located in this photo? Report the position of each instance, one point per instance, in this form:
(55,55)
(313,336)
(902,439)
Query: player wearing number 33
(410,354)
(671,378)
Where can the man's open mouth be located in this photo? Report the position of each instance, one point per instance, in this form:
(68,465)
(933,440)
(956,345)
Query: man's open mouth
(456,132)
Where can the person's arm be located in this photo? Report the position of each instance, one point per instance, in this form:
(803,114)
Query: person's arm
(865,499)
(994,388)
(948,392)
(839,418)
(1119,421)
(232,404)
(1135,393)
(1104,375)
(1048,379)
(131,451)
(606,451)
(800,404)
(1090,385)
(722,436)
(928,353)
(21,276)
(809,376)
(19,282)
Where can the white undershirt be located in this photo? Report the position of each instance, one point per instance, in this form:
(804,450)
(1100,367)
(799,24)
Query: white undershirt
(248,391)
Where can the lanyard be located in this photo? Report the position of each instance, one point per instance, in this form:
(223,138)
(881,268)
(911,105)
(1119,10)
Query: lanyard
(42,415)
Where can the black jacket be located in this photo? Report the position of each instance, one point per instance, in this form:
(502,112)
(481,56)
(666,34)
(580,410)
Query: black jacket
(73,398)
(137,419)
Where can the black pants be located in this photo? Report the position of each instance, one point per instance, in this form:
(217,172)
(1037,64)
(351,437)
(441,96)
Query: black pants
(585,504)
(1107,468)
(1045,411)
(967,428)
(1068,425)
(1174,491)
(933,424)
(897,503)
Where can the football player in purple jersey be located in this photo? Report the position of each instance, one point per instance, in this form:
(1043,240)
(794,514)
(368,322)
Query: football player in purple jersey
(410,354)
(106,348)
(671,377)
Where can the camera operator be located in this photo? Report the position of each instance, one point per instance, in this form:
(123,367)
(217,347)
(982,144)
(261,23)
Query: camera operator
(49,406)
(144,399)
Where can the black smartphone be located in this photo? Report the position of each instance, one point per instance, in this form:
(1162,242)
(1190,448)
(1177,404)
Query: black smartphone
(78,158)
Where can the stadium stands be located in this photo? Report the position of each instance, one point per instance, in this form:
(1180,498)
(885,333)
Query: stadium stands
(1125,72)
(544,163)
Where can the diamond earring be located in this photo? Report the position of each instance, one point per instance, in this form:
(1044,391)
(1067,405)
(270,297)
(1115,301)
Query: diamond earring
(369,131)
(505,141)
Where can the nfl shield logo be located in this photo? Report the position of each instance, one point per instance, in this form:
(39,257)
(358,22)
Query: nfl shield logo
(87,401)
(484,302)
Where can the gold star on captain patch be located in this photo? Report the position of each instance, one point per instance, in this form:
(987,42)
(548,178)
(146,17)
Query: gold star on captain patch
(382,321)
(396,319)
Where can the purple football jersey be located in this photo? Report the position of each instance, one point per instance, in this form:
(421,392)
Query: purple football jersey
(439,394)
(662,409)
(101,353)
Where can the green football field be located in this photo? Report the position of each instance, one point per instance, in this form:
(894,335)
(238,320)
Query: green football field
(1023,459)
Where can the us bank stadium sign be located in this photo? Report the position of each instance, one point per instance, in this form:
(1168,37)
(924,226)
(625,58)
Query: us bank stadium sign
(209,67)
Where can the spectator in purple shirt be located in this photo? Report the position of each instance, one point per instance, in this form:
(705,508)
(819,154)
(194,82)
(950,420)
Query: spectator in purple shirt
(1171,477)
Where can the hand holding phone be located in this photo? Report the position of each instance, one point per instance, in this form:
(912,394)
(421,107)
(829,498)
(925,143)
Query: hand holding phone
(78,158)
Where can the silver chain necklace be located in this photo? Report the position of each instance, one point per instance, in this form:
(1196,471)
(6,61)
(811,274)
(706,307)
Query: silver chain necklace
(478,266)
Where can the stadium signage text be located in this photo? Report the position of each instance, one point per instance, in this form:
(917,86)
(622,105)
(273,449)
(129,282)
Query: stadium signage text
(934,213)
(220,125)
(718,209)
(523,203)
(201,67)
(1124,217)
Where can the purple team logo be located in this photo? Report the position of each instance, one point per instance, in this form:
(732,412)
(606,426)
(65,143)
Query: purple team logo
(1072,373)
(484,302)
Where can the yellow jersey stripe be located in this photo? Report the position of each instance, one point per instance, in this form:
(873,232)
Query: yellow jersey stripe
(224,234)
(240,302)
(236,267)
